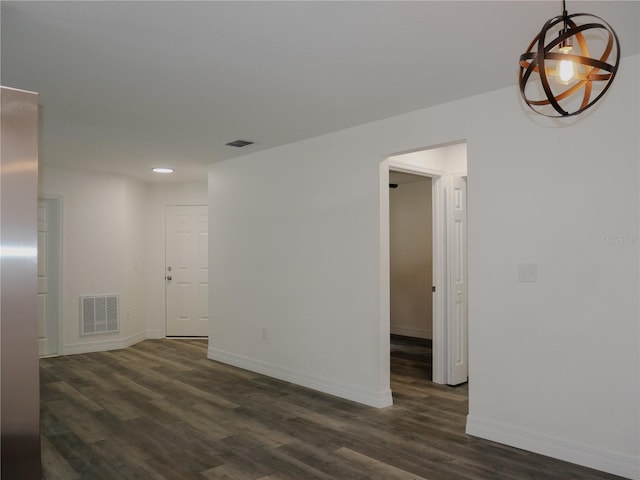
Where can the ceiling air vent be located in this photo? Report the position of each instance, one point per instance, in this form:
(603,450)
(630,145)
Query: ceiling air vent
(239,143)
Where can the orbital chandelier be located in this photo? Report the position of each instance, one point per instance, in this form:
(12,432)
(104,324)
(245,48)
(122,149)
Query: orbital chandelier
(563,75)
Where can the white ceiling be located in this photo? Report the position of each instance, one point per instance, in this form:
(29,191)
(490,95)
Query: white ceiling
(126,85)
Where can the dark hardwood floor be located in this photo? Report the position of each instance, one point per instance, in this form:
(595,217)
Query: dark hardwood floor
(161,410)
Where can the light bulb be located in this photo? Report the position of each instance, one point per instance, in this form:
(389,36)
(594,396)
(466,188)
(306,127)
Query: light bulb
(566,68)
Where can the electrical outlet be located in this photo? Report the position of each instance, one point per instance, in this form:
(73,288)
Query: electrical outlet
(528,272)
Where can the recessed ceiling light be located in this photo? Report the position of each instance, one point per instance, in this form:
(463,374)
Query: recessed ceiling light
(162,170)
(239,143)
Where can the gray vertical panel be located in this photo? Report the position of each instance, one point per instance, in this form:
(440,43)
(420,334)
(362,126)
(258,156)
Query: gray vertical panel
(19,394)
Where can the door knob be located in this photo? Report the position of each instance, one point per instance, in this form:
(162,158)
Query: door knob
(168,277)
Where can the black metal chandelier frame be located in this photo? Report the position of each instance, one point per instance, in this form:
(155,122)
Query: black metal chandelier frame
(595,69)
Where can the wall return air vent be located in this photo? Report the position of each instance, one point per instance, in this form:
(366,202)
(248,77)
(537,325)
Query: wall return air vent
(99,314)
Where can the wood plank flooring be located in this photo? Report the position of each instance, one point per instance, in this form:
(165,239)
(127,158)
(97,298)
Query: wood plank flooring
(161,410)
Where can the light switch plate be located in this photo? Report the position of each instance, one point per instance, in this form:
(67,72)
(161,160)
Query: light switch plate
(528,272)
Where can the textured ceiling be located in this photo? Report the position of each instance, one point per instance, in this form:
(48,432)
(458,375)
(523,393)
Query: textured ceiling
(128,85)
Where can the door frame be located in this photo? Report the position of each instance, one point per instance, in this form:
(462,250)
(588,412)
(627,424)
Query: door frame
(439,228)
(56,249)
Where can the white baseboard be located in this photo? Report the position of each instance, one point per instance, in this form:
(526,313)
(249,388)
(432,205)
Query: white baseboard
(374,399)
(155,334)
(91,346)
(411,332)
(603,460)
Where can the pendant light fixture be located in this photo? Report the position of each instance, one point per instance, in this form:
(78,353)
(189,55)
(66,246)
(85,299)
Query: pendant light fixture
(563,75)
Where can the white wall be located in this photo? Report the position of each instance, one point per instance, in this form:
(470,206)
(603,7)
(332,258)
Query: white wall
(102,251)
(159,195)
(113,243)
(411,258)
(296,254)
(562,376)
(292,241)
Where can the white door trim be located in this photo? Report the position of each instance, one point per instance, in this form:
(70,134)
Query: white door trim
(457,284)
(439,362)
(56,256)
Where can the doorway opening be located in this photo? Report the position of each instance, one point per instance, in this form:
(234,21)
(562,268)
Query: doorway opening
(411,259)
(431,308)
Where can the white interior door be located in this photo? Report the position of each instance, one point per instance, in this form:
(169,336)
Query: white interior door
(186,271)
(47,278)
(457,339)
